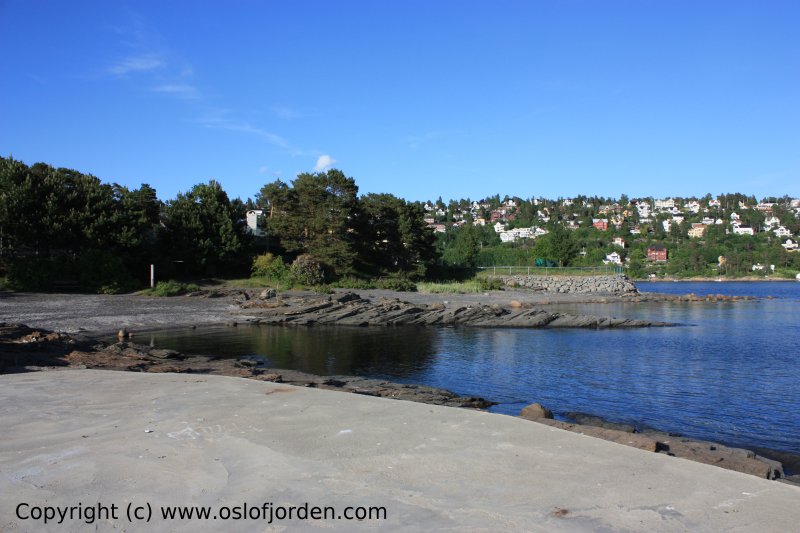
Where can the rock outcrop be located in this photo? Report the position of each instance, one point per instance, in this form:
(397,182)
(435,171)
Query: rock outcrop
(350,309)
(710,453)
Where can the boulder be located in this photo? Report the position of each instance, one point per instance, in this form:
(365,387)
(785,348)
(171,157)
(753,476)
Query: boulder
(536,411)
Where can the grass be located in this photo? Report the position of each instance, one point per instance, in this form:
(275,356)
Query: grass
(470,286)
(172,288)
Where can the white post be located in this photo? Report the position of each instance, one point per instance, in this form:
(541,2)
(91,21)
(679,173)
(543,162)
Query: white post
(152,275)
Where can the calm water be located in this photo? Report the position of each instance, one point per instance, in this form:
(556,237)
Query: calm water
(729,373)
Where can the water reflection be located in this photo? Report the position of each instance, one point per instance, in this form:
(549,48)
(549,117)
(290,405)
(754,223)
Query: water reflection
(398,353)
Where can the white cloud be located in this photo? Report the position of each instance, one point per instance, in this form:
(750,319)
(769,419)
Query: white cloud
(323,162)
(187,92)
(133,64)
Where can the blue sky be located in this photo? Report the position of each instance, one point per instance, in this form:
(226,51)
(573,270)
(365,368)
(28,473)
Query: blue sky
(417,98)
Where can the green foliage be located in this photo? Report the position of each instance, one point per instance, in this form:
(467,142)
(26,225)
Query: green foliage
(396,284)
(307,270)
(173,288)
(270,266)
(459,287)
(203,228)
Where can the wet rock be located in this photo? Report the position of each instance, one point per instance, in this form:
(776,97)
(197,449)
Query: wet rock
(535,411)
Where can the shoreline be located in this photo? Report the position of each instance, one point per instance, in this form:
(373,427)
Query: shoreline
(105,315)
(48,351)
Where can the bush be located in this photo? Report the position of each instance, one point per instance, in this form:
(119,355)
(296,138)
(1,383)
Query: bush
(307,270)
(173,288)
(269,266)
(490,284)
(350,282)
(397,284)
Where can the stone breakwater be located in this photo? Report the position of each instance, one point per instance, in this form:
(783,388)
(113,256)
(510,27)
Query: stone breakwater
(619,284)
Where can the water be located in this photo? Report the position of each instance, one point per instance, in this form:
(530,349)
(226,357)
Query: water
(729,373)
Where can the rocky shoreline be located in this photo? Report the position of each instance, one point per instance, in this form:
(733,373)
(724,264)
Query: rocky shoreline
(25,349)
(350,309)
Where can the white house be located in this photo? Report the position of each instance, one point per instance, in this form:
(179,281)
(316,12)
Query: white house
(665,204)
(693,206)
(772,221)
(742,230)
(618,241)
(667,225)
(782,231)
(735,216)
(499,227)
(644,209)
(614,258)
(252,222)
(790,245)
(714,203)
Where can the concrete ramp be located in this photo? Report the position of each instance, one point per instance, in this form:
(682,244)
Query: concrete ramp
(117,447)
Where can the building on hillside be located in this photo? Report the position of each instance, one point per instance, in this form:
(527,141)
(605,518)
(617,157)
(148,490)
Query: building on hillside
(771,221)
(657,253)
(613,258)
(735,216)
(790,245)
(665,204)
(697,230)
(742,230)
(782,231)
(714,203)
(600,224)
(693,206)
(618,241)
(252,222)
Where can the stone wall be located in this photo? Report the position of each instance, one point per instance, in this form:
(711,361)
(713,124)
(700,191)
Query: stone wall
(616,284)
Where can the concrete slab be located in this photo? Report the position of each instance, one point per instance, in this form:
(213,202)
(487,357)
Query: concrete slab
(92,439)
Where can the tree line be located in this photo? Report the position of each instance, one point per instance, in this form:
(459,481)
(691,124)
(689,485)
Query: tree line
(61,225)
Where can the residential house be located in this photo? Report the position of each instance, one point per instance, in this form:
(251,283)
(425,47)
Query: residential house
(742,230)
(663,205)
(735,216)
(429,220)
(693,206)
(614,258)
(618,241)
(252,222)
(667,225)
(635,230)
(782,231)
(567,202)
(790,245)
(697,231)
(708,221)
(766,207)
(657,253)
(499,227)
(771,221)
(714,203)
(600,224)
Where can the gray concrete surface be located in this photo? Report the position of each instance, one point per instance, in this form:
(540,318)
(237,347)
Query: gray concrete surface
(118,438)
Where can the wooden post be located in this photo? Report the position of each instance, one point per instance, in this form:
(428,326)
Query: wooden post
(152,275)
